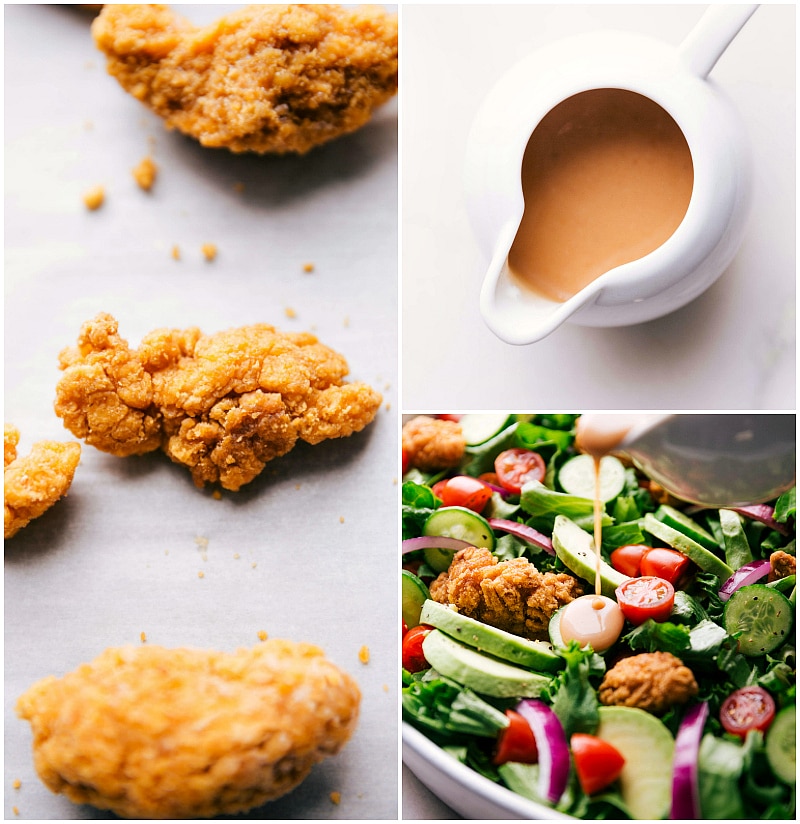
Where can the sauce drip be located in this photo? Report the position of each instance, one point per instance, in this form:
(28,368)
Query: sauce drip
(607,177)
(598,524)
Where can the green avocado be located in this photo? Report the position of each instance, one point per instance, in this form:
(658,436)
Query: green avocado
(480,672)
(575,549)
(648,749)
(703,557)
(535,655)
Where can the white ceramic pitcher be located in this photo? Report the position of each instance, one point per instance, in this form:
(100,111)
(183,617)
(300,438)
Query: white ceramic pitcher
(704,243)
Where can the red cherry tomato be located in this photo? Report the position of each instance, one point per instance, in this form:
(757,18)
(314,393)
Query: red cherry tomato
(455,418)
(406,462)
(597,762)
(647,597)
(665,563)
(745,709)
(438,489)
(516,742)
(404,629)
(489,478)
(628,559)
(516,467)
(413,657)
(463,490)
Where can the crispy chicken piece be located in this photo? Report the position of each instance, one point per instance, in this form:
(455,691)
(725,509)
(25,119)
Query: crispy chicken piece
(149,732)
(267,78)
(32,484)
(431,444)
(651,681)
(781,565)
(223,405)
(510,595)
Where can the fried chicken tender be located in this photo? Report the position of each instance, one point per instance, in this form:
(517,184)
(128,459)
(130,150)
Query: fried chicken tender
(223,405)
(32,484)
(781,565)
(266,79)
(510,595)
(651,681)
(431,444)
(156,733)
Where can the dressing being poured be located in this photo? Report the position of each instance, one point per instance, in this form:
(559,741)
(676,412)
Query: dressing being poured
(607,177)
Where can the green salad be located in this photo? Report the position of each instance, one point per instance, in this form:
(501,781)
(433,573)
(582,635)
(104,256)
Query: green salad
(680,706)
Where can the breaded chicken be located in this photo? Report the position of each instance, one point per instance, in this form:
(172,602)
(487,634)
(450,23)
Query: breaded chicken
(431,444)
(267,78)
(156,733)
(781,565)
(510,595)
(32,484)
(223,405)
(651,681)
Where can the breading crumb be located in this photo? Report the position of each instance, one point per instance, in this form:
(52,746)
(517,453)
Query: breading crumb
(201,574)
(262,636)
(216,495)
(308,267)
(253,565)
(297,486)
(346,322)
(176,252)
(386,688)
(336,797)
(17,784)
(209,251)
(289,312)
(143,638)
(363,654)
(236,556)
(238,186)
(341,519)
(388,407)
(94,198)
(202,543)
(145,173)
(15,810)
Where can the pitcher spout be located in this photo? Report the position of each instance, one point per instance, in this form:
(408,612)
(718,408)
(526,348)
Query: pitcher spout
(518,315)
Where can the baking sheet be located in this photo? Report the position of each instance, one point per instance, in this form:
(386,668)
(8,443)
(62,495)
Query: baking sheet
(308,550)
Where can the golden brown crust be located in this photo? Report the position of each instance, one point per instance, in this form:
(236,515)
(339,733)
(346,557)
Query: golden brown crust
(651,681)
(266,78)
(149,732)
(781,565)
(431,444)
(510,595)
(223,405)
(34,482)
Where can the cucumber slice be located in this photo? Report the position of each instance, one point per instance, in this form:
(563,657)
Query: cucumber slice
(577,477)
(689,527)
(414,594)
(781,745)
(455,522)
(479,428)
(737,548)
(703,557)
(554,629)
(763,617)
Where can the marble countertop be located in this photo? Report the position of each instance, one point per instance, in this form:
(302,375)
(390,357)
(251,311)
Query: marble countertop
(732,348)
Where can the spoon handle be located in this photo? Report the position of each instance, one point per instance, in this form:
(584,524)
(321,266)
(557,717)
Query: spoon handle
(713,33)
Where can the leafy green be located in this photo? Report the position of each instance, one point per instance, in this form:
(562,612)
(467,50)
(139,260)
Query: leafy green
(719,766)
(786,506)
(544,504)
(438,705)
(480,459)
(418,504)
(572,693)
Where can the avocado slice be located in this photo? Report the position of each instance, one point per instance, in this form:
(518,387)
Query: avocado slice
(480,672)
(648,749)
(688,526)
(575,548)
(703,557)
(535,655)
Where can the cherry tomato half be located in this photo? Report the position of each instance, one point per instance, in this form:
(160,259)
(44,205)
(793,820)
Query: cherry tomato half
(628,559)
(647,597)
(463,490)
(455,418)
(413,657)
(516,742)
(406,461)
(745,709)
(516,467)
(597,762)
(668,564)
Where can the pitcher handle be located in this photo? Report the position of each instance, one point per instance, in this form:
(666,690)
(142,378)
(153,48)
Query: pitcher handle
(713,33)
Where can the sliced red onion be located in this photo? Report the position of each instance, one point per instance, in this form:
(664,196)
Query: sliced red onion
(685,792)
(764,513)
(551,741)
(745,575)
(500,490)
(433,542)
(526,533)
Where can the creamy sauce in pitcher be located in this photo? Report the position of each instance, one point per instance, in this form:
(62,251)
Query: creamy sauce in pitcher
(607,177)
